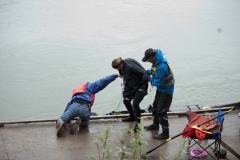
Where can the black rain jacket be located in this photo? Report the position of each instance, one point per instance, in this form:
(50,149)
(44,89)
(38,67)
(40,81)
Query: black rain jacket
(134,77)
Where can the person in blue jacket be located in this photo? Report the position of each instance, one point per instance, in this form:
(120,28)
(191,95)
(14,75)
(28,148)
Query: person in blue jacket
(80,104)
(163,79)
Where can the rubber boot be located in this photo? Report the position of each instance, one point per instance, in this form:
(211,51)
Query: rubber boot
(154,126)
(75,127)
(128,119)
(164,134)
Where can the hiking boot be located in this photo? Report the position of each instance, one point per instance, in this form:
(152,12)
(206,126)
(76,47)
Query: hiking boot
(75,127)
(161,136)
(61,126)
(128,119)
(152,127)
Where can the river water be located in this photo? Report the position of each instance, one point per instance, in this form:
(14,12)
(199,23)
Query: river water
(48,47)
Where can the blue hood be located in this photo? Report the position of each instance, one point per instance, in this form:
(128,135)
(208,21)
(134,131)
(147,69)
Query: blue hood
(160,58)
(161,72)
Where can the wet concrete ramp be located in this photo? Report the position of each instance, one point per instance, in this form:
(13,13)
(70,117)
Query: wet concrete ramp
(38,141)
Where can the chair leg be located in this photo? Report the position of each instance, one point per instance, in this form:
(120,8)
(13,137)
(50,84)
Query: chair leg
(218,148)
(188,149)
(214,145)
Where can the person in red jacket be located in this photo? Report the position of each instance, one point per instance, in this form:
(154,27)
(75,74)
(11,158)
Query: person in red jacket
(80,104)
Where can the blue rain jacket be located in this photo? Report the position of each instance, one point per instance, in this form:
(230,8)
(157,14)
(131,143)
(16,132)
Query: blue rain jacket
(93,87)
(161,72)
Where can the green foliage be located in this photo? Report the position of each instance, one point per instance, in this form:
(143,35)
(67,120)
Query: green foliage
(180,149)
(132,151)
(135,149)
(92,157)
(138,144)
(106,150)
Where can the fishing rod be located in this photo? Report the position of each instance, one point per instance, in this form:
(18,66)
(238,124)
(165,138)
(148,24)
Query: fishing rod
(119,104)
(169,139)
(122,86)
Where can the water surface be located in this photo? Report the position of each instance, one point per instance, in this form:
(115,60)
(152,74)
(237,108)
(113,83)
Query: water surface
(49,47)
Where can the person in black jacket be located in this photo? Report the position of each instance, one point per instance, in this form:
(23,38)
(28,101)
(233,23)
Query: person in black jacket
(135,87)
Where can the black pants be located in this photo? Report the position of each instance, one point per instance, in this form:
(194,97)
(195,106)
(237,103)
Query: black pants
(137,98)
(161,105)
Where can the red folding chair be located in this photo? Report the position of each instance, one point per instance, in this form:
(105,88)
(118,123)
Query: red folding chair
(210,131)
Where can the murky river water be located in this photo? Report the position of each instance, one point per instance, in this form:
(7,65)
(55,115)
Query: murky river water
(49,47)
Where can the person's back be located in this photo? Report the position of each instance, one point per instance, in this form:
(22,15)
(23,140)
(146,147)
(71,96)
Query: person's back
(133,73)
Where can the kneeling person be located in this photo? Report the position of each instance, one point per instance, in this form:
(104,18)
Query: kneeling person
(80,104)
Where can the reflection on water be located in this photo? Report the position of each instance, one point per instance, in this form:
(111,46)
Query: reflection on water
(48,48)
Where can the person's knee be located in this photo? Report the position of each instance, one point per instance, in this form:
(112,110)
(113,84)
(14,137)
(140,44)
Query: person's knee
(126,101)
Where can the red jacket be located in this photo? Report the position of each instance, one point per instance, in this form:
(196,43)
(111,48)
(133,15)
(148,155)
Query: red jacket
(83,89)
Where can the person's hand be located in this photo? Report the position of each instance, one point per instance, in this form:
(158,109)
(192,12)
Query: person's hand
(118,76)
(149,72)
